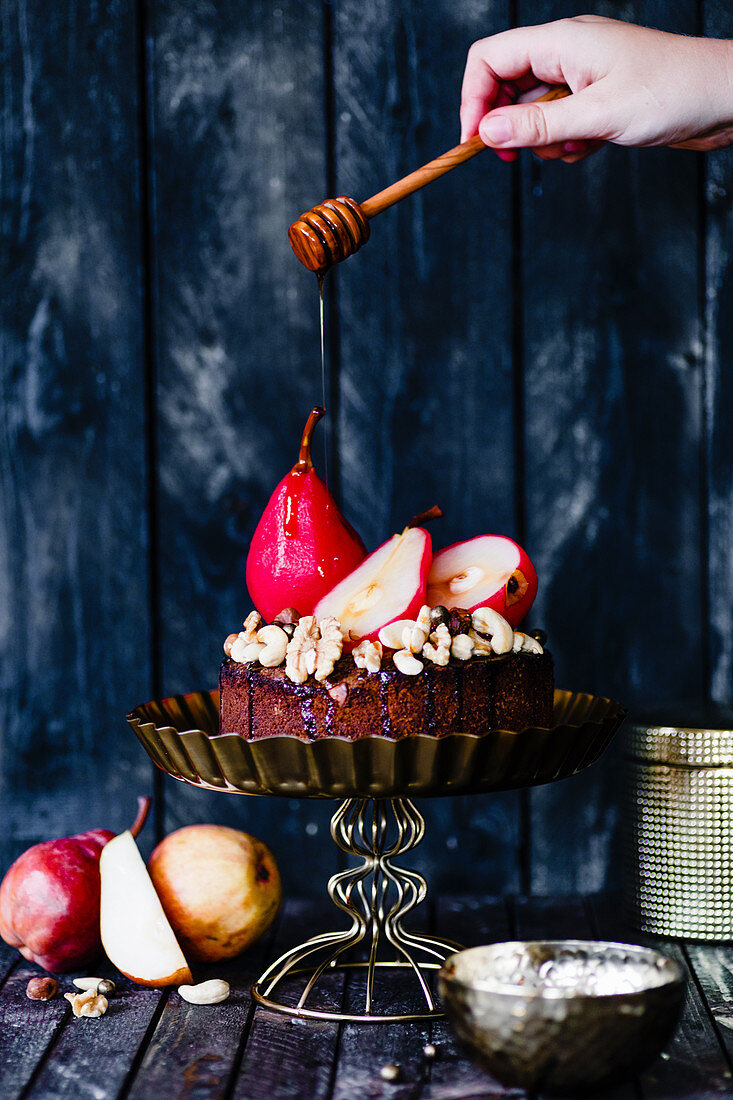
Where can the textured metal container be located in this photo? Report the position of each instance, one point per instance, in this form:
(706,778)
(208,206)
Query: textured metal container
(562,1016)
(678,842)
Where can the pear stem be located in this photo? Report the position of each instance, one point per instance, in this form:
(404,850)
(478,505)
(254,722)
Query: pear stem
(143,809)
(436,512)
(305,462)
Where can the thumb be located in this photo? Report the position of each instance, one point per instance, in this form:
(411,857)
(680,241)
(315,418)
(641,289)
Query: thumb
(532,125)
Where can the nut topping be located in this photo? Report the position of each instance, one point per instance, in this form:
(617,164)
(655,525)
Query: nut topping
(274,643)
(408,664)
(287,617)
(486,621)
(462,647)
(438,648)
(391,635)
(368,655)
(313,649)
(414,638)
(100,985)
(523,643)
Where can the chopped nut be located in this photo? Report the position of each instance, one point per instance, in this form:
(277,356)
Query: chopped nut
(481,646)
(523,643)
(407,663)
(41,988)
(423,619)
(329,648)
(228,642)
(212,992)
(462,647)
(274,641)
(391,635)
(368,655)
(339,693)
(414,638)
(251,625)
(90,1004)
(101,985)
(489,622)
(314,649)
(438,649)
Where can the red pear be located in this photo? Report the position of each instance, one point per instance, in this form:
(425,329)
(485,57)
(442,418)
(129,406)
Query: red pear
(487,571)
(49,899)
(302,545)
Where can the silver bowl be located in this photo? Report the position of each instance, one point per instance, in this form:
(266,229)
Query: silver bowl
(562,1016)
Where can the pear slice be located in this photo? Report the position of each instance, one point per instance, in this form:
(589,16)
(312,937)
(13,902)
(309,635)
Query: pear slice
(135,931)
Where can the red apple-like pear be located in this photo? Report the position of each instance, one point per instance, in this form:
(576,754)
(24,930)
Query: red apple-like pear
(302,545)
(388,585)
(49,899)
(487,571)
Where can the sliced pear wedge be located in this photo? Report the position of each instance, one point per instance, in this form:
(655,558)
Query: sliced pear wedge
(135,931)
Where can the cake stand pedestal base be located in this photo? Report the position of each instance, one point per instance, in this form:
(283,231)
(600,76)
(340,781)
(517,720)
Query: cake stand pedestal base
(376,896)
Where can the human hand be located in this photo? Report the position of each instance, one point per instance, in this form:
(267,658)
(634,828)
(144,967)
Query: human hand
(631,86)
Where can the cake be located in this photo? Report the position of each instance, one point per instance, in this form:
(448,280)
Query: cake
(454,689)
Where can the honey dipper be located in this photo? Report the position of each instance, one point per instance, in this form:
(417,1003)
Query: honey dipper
(337,228)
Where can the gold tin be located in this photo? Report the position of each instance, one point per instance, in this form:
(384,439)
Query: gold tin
(678,828)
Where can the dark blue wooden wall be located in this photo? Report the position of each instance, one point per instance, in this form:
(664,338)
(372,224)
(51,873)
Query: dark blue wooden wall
(554,361)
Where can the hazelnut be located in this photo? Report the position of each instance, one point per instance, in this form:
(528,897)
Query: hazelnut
(287,617)
(41,988)
(539,636)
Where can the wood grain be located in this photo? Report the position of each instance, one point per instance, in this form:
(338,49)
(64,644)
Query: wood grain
(613,385)
(238,146)
(74,623)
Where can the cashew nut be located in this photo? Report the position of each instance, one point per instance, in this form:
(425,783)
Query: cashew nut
(487,621)
(462,647)
(205,993)
(391,635)
(274,643)
(406,663)
(523,643)
(414,638)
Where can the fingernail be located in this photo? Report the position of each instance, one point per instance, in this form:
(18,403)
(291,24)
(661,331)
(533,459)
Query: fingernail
(496,131)
(573,147)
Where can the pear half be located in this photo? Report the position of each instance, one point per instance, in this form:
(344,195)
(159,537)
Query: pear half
(135,931)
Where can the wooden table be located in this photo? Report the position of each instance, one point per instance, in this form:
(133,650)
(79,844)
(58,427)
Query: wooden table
(155,1045)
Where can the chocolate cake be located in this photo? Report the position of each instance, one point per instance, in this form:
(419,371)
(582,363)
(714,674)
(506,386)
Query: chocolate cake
(506,691)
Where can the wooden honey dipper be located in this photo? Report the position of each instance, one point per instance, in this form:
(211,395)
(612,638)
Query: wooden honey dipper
(337,228)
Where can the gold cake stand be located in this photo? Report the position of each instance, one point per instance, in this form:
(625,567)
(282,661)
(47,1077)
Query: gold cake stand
(374,779)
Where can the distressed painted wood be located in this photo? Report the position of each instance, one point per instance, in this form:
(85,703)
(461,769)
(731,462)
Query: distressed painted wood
(718,284)
(613,384)
(425,398)
(238,148)
(74,623)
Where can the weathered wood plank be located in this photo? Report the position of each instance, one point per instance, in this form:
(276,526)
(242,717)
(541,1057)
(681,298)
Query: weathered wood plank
(286,1058)
(718,227)
(239,151)
(73,564)
(27,1030)
(471,921)
(613,398)
(713,967)
(93,1058)
(425,382)
(694,1063)
(193,1047)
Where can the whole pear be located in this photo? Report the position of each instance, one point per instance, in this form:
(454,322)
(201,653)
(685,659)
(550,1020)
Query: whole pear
(49,899)
(220,889)
(302,545)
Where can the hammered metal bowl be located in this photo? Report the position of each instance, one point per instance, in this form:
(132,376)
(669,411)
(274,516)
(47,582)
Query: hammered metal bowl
(181,735)
(562,1016)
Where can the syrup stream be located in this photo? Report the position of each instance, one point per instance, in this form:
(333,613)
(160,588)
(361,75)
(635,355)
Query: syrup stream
(327,425)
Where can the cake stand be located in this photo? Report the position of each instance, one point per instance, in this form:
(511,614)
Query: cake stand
(375,780)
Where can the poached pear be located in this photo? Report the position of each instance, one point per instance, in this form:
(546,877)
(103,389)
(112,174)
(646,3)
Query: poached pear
(302,546)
